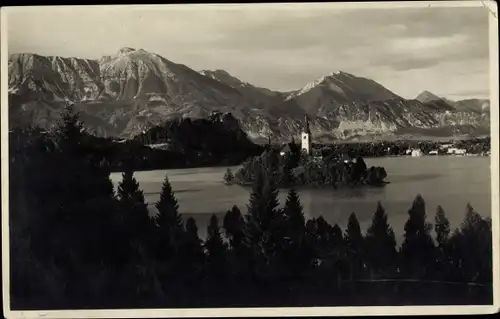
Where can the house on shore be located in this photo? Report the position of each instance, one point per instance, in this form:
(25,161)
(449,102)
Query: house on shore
(457,151)
(416,152)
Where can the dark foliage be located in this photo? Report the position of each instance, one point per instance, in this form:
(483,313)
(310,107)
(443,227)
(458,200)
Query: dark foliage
(299,169)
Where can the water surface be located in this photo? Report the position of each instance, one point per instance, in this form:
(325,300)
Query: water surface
(448,181)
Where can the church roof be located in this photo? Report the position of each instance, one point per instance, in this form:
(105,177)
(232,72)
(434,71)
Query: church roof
(306,125)
(285,148)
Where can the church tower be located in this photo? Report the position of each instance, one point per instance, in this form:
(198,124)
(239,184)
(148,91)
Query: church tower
(306,137)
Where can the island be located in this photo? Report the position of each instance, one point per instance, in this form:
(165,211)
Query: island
(294,166)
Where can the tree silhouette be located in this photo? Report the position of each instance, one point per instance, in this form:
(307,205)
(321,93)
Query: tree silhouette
(418,247)
(233,225)
(296,251)
(170,231)
(355,246)
(442,230)
(192,255)
(381,242)
(216,251)
(441,227)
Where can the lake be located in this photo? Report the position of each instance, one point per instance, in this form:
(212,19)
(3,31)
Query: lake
(448,181)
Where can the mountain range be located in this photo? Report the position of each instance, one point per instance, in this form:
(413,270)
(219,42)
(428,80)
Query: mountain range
(133,90)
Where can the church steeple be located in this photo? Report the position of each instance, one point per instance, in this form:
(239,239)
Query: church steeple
(306,125)
(306,136)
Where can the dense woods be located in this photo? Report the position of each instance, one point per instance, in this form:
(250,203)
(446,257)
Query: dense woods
(76,243)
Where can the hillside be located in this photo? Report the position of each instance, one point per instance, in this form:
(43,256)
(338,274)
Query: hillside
(134,90)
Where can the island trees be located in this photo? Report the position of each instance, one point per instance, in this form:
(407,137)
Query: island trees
(293,170)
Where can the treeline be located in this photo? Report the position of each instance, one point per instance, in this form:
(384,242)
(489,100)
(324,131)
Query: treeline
(76,243)
(296,168)
(188,143)
(398,148)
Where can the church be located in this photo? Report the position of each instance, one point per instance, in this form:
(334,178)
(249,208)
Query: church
(306,137)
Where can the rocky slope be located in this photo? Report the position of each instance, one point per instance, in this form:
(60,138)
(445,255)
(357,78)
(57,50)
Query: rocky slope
(134,90)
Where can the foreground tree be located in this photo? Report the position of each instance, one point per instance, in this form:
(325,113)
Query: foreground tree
(170,230)
(216,251)
(355,246)
(381,244)
(418,247)
(441,227)
(296,250)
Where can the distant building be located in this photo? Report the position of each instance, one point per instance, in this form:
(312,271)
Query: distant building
(457,151)
(306,137)
(285,150)
(445,146)
(416,152)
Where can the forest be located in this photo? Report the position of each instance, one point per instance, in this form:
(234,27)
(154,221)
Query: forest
(76,243)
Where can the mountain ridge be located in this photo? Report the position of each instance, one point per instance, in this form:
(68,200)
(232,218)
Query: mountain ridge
(126,93)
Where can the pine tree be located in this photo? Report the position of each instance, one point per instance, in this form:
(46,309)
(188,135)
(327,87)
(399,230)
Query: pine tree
(355,245)
(170,229)
(441,227)
(472,247)
(381,242)
(296,251)
(442,230)
(418,249)
(234,225)
(216,250)
(78,198)
(263,223)
(354,237)
(294,215)
(192,251)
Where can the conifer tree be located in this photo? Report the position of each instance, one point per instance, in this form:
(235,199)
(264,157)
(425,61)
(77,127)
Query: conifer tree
(170,231)
(472,248)
(418,247)
(294,215)
(355,245)
(381,242)
(216,250)
(78,200)
(234,227)
(353,236)
(296,251)
(441,227)
(192,254)
(442,230)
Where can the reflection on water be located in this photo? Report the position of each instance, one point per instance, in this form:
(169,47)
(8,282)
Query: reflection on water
(447,181)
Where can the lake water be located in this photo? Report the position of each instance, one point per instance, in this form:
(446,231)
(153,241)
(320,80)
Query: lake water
(448,181)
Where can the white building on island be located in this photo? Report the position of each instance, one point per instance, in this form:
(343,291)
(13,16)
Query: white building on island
(306,137)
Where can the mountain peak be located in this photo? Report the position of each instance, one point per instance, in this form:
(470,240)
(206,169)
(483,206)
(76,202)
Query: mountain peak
(126,50)
(427,96)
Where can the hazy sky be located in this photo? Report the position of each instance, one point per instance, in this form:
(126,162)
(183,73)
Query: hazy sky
(443,50)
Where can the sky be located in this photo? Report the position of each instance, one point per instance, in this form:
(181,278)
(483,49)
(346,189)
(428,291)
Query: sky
(280,47)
